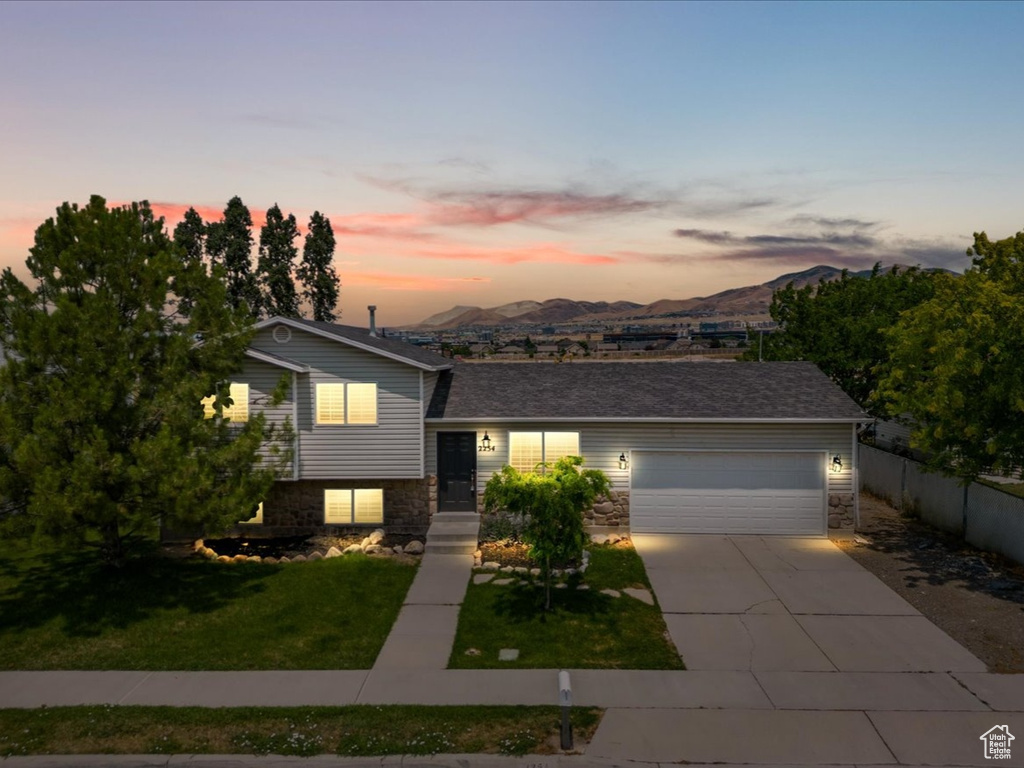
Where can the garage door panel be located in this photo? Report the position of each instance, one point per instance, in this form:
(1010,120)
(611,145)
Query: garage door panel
(728,492)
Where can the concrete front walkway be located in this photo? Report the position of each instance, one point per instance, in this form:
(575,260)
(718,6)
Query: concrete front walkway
(795,655)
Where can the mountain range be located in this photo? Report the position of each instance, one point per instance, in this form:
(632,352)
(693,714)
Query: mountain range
(750,300)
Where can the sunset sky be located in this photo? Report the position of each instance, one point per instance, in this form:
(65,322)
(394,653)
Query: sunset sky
(482,153)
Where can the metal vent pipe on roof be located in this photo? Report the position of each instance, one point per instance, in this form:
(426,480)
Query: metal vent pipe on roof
(373,321)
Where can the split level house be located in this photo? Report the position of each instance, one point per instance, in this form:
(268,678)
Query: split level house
(386,434)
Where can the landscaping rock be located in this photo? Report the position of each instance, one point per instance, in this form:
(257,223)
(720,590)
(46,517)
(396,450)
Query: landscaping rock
(315,556)
(473,651)
(207,552)
(299,559)
(284,560)
(482,578)
(414,548)
(611,592)
(522,570)
(508,654)
(598,538)
(614,538)
(366,542)
(397,549)
(352,549)
(198,545)
(254,559)
(502,582)
(223,559)
(239,559)
(377,536)
(333,552)
(375,549)
(478,554)
(583,586)
(270,560)
(506,569)
(490,565)
(535,571)
(642,595)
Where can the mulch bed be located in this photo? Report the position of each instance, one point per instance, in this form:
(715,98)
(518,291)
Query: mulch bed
(292,546)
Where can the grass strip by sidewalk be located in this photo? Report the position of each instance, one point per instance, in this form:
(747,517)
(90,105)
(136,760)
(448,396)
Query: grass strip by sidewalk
(584,629)
(304,731)
(68,611)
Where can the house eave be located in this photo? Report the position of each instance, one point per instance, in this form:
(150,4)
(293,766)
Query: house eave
(365,347)
(644,420)
(290,365)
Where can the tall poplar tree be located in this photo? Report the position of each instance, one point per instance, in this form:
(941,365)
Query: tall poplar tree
(320,286)
(276,265)
(103,435)
(229,243)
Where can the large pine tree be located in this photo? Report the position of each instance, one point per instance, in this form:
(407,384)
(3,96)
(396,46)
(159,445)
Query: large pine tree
(102,426)
(276,265)
(320,286)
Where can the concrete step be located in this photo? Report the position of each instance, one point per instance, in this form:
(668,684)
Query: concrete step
(455,517)
(453,531)
(451,547)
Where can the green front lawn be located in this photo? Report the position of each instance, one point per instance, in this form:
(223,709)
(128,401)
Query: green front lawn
(305,731)
(156,613)
(584,629)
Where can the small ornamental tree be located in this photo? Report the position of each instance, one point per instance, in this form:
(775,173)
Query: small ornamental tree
(552,505)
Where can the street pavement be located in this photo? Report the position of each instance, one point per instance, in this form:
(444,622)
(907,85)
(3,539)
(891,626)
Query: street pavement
(795,656)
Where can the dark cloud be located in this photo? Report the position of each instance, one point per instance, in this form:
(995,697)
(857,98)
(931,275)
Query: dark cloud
(826,222)
(851,240)
(490,208)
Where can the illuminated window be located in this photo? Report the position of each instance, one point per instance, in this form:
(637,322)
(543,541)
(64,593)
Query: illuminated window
(353,506)
(346,403)
(257,520)
(238,411)
(528,449)
(362,403)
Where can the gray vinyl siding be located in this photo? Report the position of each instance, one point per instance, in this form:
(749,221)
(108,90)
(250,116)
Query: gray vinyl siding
(392,448)
(601,443)
(263,379)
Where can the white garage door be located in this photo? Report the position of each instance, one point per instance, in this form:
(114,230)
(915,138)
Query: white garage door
(727,492)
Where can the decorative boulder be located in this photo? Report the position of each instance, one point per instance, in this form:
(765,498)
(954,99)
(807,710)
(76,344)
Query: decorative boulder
(414,548)
(299,559)
(223,559)
(333,552)
(315,556)
(375,549)
(239,559)
(366,542)
(198,545)
(284,561)
(254,559)
(352,548)
(397,549)
(377,536)
(270,560)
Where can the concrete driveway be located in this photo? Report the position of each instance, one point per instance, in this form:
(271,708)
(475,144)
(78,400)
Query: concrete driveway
(779,604)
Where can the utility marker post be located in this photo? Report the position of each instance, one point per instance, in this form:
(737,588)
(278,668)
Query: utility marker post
(565,702)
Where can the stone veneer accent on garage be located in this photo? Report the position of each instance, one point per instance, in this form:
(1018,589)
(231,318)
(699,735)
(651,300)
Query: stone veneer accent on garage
(840,510)
(296,508)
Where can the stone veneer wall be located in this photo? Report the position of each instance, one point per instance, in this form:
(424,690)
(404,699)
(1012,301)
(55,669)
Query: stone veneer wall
(840,510)
(297,508)
(612,510)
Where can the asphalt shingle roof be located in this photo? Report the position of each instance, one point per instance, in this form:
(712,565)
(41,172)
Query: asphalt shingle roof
(634,390)
(391,346)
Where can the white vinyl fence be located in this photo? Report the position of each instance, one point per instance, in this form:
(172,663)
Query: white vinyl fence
(986,517)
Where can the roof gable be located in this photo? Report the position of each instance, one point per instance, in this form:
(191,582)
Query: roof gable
(609,391)
(360,338)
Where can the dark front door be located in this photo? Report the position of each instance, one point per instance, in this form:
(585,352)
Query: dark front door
(456,471)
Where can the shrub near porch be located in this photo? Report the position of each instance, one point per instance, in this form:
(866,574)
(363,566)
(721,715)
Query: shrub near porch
(585,629)
(156,613)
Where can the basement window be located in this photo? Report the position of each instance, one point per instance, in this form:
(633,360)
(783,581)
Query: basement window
(353,506)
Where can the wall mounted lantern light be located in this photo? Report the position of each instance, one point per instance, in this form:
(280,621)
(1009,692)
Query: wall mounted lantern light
(485,444)
(837,463)
(623,461)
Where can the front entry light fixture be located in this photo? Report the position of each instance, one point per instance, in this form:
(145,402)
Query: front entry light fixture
(485,444)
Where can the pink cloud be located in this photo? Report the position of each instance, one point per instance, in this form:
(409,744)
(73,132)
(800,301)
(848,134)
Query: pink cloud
(405,282)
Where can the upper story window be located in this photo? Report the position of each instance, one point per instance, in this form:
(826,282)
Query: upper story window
(348,403)
(528,449)
(238,411)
